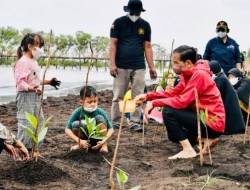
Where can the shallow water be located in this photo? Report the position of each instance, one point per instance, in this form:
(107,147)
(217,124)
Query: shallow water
(72,81)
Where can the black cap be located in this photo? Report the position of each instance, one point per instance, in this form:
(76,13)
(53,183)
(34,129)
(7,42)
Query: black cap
(235,72)
(214,66)
(222,24)
(134,6)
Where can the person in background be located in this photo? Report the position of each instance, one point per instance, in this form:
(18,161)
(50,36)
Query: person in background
(130,42)
(199,56)
(89,107)
(242,86)
(234,120)
(223,49)
(179,112)
(28,84)
(8,142)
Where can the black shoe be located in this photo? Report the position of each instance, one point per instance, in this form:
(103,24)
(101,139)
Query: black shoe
(135,127)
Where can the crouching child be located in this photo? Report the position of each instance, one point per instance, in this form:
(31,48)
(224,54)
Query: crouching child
(89,107)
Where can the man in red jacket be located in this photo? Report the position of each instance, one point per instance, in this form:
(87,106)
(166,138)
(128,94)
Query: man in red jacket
(179,111)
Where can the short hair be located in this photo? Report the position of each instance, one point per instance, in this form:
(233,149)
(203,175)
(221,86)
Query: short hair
(186,53)
(90,91)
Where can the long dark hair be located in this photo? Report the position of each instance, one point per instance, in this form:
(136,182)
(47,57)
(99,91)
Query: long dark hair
(30,38)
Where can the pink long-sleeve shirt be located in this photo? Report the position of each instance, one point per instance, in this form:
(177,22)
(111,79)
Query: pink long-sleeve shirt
(26,73)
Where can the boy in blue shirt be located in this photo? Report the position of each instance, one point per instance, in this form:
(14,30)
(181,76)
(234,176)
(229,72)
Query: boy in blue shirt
(92,111)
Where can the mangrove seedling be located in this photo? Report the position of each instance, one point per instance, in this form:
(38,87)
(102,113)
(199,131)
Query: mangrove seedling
(93,131)
(37,138)
(122,178)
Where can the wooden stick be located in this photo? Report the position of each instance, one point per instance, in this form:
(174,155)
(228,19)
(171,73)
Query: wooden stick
(169,66)
(41,99)
(199,125)
(90,65)
(143,126)
(246,127)
(112,184)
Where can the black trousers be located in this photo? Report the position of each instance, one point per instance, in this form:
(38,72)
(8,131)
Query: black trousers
(1,145)
(181,124)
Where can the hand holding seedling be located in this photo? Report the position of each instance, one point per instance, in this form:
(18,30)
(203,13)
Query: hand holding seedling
(22,151)
(99,145)
(84,144)
(10,149)
(140,98)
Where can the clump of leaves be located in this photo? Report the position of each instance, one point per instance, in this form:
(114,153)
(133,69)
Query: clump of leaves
(122,178)
(92,130)
(37,138)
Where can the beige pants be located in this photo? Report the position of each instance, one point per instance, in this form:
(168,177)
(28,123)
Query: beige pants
(120,87)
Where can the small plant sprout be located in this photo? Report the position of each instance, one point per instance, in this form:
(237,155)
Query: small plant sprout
(37,138)
(122,178)
(93,131)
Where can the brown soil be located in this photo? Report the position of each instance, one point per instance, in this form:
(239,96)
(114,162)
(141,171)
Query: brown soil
(147,165)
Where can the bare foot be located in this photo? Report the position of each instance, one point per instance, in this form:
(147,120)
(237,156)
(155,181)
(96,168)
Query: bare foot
(75,147)
(104,148)
(184,154)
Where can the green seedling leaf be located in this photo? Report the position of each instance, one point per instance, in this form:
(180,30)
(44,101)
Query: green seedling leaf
(122,177)
(46,122)
(99,137)
(213,118)
(32,119)
(42,134)
(30,133)
(85,132)
(136,188)
(202,117)
(103,130)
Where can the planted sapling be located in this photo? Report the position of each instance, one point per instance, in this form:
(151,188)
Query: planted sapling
(36,137)
(93,131)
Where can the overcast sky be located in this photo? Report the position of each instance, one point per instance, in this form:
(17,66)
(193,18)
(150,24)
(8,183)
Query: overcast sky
(189,22)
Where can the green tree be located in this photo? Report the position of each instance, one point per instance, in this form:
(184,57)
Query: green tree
(82,41)
(9,38)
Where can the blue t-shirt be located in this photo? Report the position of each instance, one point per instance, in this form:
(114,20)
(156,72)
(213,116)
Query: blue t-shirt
(227,54)
(131,38)
(76,115)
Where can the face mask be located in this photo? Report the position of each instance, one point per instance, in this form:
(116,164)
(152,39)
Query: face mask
(214,76)
(90,109)
(133,18)
(233,81)
(221,34)
(37,53)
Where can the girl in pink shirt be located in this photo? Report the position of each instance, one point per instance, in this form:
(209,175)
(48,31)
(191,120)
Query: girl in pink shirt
(28,83)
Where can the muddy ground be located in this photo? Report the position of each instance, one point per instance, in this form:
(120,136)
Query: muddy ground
(147,165)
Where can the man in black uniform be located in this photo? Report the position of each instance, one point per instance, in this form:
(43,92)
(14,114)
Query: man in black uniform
(130,40)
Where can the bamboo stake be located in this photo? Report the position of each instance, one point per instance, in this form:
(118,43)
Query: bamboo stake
(143,131)
(112,184)
(90,65)
(199,126)
(41,99)
(246,127)
(169,66)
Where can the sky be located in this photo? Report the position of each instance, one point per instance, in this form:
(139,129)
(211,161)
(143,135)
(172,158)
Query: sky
(187,22)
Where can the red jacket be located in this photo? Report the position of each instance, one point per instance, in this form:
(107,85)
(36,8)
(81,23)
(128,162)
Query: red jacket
(183,95)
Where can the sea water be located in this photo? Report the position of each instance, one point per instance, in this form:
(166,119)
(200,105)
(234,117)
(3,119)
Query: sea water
(72,80)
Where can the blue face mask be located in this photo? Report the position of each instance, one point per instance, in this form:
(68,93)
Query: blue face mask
(214,76)
(133,18)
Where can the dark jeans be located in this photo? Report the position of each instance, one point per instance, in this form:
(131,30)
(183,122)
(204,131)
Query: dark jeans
(181,124)
(75,125)
(1,145)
